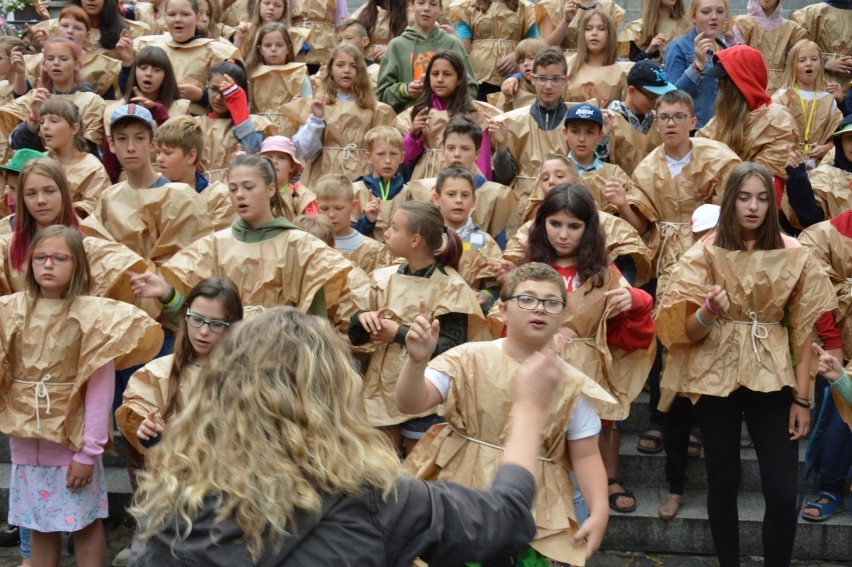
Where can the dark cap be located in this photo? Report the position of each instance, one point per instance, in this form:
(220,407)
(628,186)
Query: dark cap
(649,75)
(584,113)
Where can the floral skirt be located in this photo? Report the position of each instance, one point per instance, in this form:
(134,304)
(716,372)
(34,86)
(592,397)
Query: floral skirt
(39,500)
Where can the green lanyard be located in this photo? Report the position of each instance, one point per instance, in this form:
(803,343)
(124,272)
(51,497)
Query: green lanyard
(385,190)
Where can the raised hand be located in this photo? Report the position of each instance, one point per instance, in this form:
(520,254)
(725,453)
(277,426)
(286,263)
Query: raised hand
(499,134)
(415,88)
(718,299)
(373,209)
(619,301)
(613,191)
(422,336)
(318,107)
(148,285)
(139,98)
(420,123)
(124,48)
(149,428)
(829,365)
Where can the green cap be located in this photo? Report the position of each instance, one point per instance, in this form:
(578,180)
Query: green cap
(20,159)
(844,127)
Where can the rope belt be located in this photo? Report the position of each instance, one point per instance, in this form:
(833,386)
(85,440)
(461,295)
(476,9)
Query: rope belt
(487,444)
(305,23)
(41,392)
(666,230)
(349,151)
(759,330)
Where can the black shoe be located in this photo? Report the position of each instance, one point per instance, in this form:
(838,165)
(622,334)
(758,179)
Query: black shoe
(10,536)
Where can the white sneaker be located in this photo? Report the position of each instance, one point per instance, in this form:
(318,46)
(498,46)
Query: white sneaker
(123,558)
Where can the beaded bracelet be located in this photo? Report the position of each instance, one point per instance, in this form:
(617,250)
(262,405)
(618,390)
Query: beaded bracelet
(700,322)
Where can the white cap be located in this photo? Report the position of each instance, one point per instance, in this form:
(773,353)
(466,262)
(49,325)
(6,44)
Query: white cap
(705,217)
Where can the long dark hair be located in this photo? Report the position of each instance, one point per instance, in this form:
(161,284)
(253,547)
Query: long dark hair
(235,69)
(216,288)
(426,220)
(155,57)
(729,234)
(460,101)
(592,259)
(111,23)
(397,16)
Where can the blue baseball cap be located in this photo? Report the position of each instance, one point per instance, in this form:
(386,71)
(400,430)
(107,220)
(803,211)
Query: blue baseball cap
(133,111)
(584,113)
(650,76)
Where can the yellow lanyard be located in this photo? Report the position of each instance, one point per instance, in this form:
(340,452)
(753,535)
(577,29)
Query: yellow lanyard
(809,117)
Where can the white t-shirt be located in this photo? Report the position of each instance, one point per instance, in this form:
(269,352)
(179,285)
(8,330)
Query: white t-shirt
(584,422)
(676,166)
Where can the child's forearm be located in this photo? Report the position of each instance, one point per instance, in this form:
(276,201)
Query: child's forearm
(803,371)
(96,410)
(636,220)
(524,439)
(591,476)
(412,392)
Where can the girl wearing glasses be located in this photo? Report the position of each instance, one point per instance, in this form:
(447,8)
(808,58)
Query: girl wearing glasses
(432,252)
(608,322)
(721,319)
(160,389)
(62,347)
(594,71)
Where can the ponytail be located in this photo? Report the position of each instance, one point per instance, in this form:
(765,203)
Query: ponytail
(451,252)
(426,220)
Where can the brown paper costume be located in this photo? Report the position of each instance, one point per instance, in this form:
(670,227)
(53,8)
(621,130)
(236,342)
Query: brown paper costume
(5,152)
(773,44)
(289,269)
(552,9)
(833,251)
(219,205)
(370,255)
(629,146)
(346,125)
(93,44)
(153,17)
(91,108)
(98,70)
(148,390)
(274,85)
(496,33)
(87,179)
(469,448)
(47,360)
(317,16)
(475,263)
(604,84)
(432,162)
(233,14)
(771,131)
(668,203)
(153,222)
(747,346)
(831,29)
(444,292)
(296,202)
(826,115)
(193,59)
(832,189)
(220,143)
(522,98)
(632,32)
(388,208)
(495,203)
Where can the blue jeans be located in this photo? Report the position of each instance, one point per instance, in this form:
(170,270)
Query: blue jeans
(580,508)
(25,542)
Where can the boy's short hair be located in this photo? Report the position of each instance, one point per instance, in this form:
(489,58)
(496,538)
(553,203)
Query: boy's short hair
(318,226)
(676,97)
(464,126)
(550,56)
(184,133)
(334,186)
(535,271)
(529,47)
(9,42)
(455,172)
(352,23)
(387,134)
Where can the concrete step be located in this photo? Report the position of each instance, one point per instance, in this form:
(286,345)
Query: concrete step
(689,532)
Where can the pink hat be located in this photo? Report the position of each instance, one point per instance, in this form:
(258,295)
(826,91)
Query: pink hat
(281,144)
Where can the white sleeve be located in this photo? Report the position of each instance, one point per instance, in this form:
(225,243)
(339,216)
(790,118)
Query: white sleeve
(584,421)
(440,380)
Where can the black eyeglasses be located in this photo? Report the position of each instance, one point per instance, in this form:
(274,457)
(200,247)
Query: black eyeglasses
(531,303)
(678,118)
(197,321)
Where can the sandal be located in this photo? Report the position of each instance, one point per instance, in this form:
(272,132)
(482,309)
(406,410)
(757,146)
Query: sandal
(833,505)
(669,509)
(613,498)
(695,445)
(656,441)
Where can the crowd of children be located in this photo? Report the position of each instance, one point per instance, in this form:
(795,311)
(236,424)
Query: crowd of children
(485,199)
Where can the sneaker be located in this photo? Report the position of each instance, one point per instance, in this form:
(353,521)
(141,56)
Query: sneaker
(123,558)
(10,536)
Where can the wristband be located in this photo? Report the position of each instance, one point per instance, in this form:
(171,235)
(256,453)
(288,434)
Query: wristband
(710,309)
(801,404)
(169,297)
(700,322)
(697,70)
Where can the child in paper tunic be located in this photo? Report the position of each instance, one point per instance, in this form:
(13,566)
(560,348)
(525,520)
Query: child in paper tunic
(100,71)
(474,383)
(396,292)
(767,129)
(66,85)
(150,14)
(319,17)
(108,261)
(517,90)
(271,261)
(830,26)
(275,76)
(333,124)
(295,197)
(647,37)
(561,28)
(604,80)
(494,30)
(425,122)
(164,385)
(803,93)
(42,329)
(85,173)
(380,31)
(7,78)
(774,36)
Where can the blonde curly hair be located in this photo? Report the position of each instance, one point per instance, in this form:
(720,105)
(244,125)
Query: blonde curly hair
(276,421)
